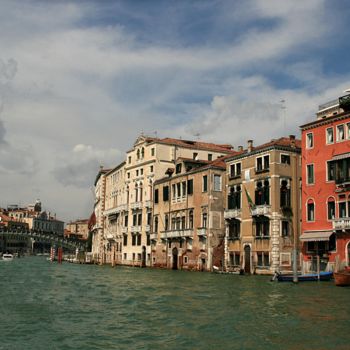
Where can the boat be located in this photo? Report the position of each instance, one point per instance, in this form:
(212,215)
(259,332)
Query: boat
(7,257)
(324,276)
(342,278)
(231,272)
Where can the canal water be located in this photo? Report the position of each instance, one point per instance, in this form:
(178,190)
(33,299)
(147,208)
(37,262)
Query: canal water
(44,305)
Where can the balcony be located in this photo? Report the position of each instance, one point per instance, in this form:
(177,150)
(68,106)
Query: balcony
(137,228)
(262,170)
(124,230)
(202,231)
(110,237)
(148,228)
(136,205)
(176,233)
(261,210)
(341,224)
(148,204)
(153,236)
(232,213)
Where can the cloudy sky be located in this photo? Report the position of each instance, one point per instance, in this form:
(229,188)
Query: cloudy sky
(80,80)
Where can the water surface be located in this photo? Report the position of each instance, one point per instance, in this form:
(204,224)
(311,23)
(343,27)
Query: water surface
(44,305)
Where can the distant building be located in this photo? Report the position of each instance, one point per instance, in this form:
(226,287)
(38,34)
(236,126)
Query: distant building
(188,226)
(326,187)
(262,206)
(77,229)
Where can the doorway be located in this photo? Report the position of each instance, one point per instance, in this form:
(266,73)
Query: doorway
(247,259)
(143,260)
(175,258)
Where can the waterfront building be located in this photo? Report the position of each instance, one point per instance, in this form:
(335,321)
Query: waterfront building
(146,162)
(188,222)
(262,207)
(77,229)
(98,242)
(326,187)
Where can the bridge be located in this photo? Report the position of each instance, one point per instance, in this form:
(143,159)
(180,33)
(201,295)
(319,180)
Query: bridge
(45,237)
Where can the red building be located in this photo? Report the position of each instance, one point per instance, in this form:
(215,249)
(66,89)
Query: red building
(326,187)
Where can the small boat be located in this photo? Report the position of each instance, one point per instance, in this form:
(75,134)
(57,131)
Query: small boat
(324,276)
(342,278)
(7,257)
(231,272)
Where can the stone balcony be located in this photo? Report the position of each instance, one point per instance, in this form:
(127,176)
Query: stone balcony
(341,224)
(153,236)
(115,210)
(201,231)
(124,230)
(110,237)
(137,228)
(147,204)
(232,213)
(147,228)
(176,233)
(136,205)
(261,210)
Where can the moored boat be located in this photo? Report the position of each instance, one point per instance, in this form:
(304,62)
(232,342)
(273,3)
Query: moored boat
(324,276)
(7,257)
(342,278)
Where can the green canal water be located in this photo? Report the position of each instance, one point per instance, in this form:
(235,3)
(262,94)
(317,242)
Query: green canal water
(44,305)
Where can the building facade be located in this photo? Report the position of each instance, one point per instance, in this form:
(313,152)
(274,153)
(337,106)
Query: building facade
(262,206)
(188,222)
(77,229)
(326,187)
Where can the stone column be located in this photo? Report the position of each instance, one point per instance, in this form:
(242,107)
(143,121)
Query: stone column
(226,254)
(275,242)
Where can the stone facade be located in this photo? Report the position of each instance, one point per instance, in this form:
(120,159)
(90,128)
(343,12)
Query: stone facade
(188,223)
(262,207)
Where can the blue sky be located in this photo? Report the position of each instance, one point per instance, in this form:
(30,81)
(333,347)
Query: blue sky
(80,80)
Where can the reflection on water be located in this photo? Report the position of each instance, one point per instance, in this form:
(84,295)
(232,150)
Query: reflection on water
(50,306)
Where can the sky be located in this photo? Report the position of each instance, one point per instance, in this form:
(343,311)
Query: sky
(80,80)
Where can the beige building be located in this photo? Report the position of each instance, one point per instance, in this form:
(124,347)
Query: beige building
(78,229)
(145,163)
(263,206)
(188,221)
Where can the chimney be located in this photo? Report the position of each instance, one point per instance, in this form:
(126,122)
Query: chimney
(250,145)
(292,140)
(240,148)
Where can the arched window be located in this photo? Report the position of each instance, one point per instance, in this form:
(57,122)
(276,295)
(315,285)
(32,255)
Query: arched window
(310,215)
(142,152)
(136,192)
(138,154)
(285,194)
(331,208)
(166,221)
(140,192)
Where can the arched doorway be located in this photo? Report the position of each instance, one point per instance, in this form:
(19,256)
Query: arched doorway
(247,254)
(175,258)
(143,261)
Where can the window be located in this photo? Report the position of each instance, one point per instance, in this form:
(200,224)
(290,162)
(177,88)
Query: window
(129,159)
(165,193)
(125,256)
(234,229)
(262,193)
(234,259)
(310,211)
(151,169)
(285,194)
(134,219)
(153,151)
(195,156)
(330,171)
(166,222)
(190,219)
(178,168)
(125,241)
(263,259)
(262,163)
(128,174)
(139,219)
(156,196)
(342,209)
(133,240)
(204,219)
(141,171)
(262,227)
(310,174)
(178,189)
(348,137)
(217,182)
(210,157)
(309,140)
(234,198)
(149,218)
(331,209)
(285,228)
(329,135)
(139,240)
(183,222)
(148,240)
(190,186)
(205,183)
(156,224)
(235,170)
(285,158)
(184,189)
(340,132)
(133,256)
(185,259)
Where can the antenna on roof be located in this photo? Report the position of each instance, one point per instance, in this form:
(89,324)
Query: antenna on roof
(155,134)
(197,135)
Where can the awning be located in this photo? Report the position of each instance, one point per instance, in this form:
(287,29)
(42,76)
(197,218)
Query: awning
(341,156)
(313,236)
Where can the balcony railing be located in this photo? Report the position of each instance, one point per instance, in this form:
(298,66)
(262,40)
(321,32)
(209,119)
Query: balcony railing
(136,205)
(262,170)
(177,233)
(202,231)
(261,210)
(341,224)
(148,204)
(153,236)
(232,213)
(136,228)
(124,230)
(118,209)
(148,228)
